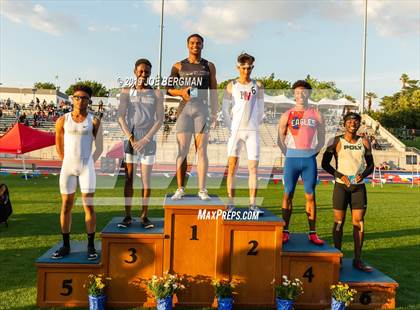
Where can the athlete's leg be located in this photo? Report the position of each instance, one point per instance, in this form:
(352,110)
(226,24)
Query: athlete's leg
(184,141)
(233,163)
(309,176)
(67,201)
(146,172)
(90,215)
(252,181)
(340,202)
(128,186)
(253,151)
(201,142)
(291,175)
(358,206)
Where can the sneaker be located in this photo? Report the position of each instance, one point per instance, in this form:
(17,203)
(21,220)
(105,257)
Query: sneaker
(254,208)
(61,252)
(358,264)
(91,253)
(313,237)
(230,207)
(203,195)
(179,194)
(145,223)
(126,222)
(286,236)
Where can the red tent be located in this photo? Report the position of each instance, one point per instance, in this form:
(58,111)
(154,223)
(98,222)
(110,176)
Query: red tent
(116,151)
(21,139)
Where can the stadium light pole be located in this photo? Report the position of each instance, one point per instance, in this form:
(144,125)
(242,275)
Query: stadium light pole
(362,103)
(161,42)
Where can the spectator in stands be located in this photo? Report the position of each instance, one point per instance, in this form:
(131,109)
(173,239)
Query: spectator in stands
(1,112)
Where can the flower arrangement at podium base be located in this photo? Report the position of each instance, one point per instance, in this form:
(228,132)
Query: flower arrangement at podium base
(287,292)
(224,293)
(341,296)
(163,289)
(96,286)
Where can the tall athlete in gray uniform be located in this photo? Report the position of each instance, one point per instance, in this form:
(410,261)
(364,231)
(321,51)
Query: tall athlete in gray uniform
(141,115)
(196,84)
(354,162)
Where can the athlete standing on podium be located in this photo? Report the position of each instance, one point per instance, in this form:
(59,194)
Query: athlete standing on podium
(196,83)
(354,162)
(141,115)
(301,137)
(75,132)
(243,112)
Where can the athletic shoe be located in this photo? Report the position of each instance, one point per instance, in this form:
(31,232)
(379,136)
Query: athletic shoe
(286,236)
(358,264)
(145,223)
(126,222)
(254,208)
(179,194)
(230,207)
(61,252)
(204,195)
(313,237)
(91,253)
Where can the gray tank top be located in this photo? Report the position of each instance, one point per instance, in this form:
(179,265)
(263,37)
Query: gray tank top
(198,77)
(141,111)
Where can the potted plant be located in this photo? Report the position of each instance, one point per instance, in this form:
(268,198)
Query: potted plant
(224,293)
(163,289)
(342,296)
(287,292)
(96,285)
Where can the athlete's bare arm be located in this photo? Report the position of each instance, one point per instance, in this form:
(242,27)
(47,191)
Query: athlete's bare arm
(213,93)
(260,102)
(99,138)
(160,114)
(282,132)
(369,161)
(226,105)
(122,111)
(59,137)
(320,133)
(182,92)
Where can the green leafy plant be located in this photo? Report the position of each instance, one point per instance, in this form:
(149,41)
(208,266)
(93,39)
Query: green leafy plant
(96,284)
(343,293)
(165,286)
(223,288)
(287,289)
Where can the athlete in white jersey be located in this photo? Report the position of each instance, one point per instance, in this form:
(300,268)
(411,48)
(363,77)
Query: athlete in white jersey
(75,132)
(243,111)
(354,162)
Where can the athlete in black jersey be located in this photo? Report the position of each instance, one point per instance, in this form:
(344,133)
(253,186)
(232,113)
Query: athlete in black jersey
(194,79)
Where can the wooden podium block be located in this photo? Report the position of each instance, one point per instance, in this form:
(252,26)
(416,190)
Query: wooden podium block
(375,290)
(316,266)
(60,281)
(130,255)
(190,247)
(251,254)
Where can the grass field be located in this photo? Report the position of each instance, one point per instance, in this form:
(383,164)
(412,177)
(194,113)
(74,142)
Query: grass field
(413,143)
(392,241)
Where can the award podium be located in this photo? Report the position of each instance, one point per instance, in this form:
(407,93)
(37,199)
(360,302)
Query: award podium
(196,241)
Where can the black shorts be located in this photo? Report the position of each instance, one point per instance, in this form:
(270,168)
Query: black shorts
(355,195)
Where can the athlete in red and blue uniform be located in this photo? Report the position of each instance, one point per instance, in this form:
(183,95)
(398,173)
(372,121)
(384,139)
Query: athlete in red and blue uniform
(301,136)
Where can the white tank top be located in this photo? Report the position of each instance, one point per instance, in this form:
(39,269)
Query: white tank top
(78,137)
(350,158)
(245,114)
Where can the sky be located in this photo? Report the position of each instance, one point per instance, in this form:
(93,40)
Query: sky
(101,40)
